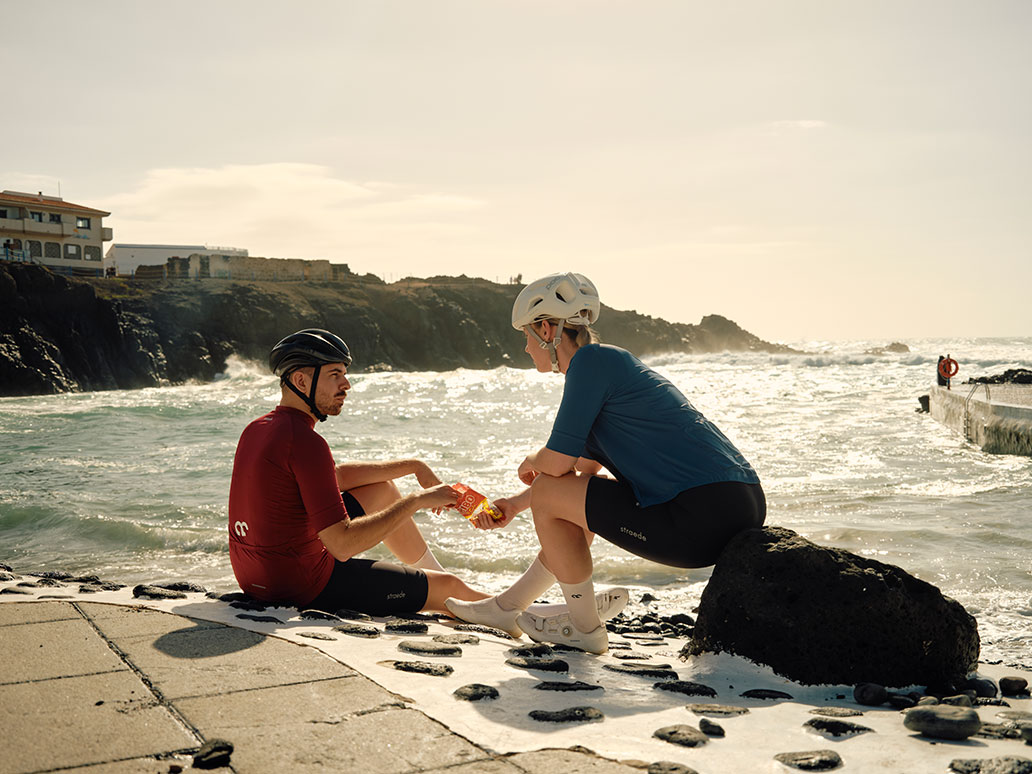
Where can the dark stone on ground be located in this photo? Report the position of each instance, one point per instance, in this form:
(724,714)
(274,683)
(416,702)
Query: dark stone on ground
(901,701)
(188,586)
(475,692)
(58,575)
(983,687)
(30,584)
(659,671)
(1008,764)
(1010,376)
(942,722)
(49,583)
(960,700)
(646,598)
(536,650)
(576,685)
(429,648)
(765,693)
(619,646)
(13,590)
(540,664)
(836,728)
(317,636)
(55,596)
(686,687)
(771,589)
(870,694)
(352,615)
(357,630)
(92,588)
(258,618)
(814,760)
(254,607)
(980,702)
(85,579)
(836,712)
(642,637)
(6,568)
(143,591)
(420,667)
(568,715)
(709,728)
(402,626)
(668,767)
(681,734)
(457,639)
(998,731)
(7,576)
(318,615)
(213,754)
(719,710)
(632,656)
(1013,686)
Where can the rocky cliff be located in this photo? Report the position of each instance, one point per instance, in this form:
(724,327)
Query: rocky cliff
(59,334)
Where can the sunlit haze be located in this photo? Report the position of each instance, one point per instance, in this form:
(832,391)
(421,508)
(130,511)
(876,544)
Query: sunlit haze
(811,169)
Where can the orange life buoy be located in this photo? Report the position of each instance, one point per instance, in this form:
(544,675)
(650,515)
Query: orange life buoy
(948,367)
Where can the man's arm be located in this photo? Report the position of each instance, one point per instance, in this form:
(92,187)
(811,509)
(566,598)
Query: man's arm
(350,537)
(351,475)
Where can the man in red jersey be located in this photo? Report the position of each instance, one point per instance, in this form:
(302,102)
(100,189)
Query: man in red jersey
(297,520)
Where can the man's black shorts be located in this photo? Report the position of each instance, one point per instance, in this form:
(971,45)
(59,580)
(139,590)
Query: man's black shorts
(371,586)
(688,531)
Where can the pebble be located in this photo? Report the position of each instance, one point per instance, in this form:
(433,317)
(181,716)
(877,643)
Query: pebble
(254,606)
(429,648)
(576,685)
(420,667)
(632,656)
(765,693)
(836,728)
(960,700)
(189,586)
(870,694)
(213,754)
(902,701)
(540,664)
(720,710)
(1008,764)
(683,735)
(1013,686)
(836,712)
(709,728)
(537,650)
(568,715)
(668,767)
(457,639)
(258,618)
(1026,732)
(998,731)
(318,615)
(942,721)
(92,588)
(357,630)
(686,687)
(814,760)
(55,596)
(30,584)
(659,671)
(316,636)
(13,590)
(475,692)
(468,627)
(7,576)
(403,626)
(353,615)
(143,591)
(57,575)
(982,686)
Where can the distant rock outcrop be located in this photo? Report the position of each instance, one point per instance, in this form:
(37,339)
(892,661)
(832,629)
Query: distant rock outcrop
(895,348)
(825,616)
(59,334)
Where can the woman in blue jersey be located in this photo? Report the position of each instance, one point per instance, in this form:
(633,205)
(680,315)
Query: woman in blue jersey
(680,489)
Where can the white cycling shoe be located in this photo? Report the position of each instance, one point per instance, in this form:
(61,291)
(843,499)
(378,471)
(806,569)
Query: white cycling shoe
(559,630)
(487,612)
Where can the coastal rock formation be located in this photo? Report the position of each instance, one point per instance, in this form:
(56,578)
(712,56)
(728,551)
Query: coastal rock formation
(825,616)
(59,334)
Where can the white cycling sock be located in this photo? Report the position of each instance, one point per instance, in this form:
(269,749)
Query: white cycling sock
(427,561)
(580,601)
(528,587)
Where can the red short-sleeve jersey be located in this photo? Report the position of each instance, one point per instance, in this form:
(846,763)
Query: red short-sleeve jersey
(284,491)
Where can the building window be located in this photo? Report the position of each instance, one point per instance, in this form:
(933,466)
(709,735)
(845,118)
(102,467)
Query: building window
(55,218)
(35,249)
(3,213)
(82,223)
(52,250)
(92,253)
(36,216)
(73,252)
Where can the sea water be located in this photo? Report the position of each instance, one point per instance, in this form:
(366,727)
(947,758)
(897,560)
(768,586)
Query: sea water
(132,485)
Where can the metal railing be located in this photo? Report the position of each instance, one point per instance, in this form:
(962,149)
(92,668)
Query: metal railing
(967,410)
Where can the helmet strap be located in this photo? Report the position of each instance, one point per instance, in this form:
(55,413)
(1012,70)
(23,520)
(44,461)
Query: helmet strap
(310,398)
(549,345)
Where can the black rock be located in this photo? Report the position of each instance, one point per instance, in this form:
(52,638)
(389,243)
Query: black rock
(568,715)
(55,596)
(765,693)
(683,735)
(6,568)
(980,702)
(457,639)
(213,754)
(1013,686)
(258,618)
(943,722)
(188,586)
(836,728)
(870,694)
(814,760)
(403,626)
(13,590)
(1007,764)
(429,648)
(709,728)
(901,701)
(7,576)
(357,630)
(143,591)
(58,575)
(318,615)
(468,627)
(540,664)
(960,700)
(352,615)
(646,598)
(686,687)
(535,650)
(998,731)
(420,667)
(85,579)
(49,583)
(836,712)
(668,767)
(30,584)
(719,710)
(982,686)
(92,588)
(658,671)
(576,685)
(780,600)
(317,636)
(475,692)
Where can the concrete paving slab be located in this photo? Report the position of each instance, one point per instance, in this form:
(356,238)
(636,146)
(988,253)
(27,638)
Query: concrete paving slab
(58,723)
(36,651)
(119,621)
(568,762)
(205,661)
(481,767)
(36,612)
(149,765)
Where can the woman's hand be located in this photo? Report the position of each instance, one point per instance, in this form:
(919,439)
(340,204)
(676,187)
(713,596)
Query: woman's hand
(527,472)
(508,507)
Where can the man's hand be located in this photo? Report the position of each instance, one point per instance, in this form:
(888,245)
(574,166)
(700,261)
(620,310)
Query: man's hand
(437,497)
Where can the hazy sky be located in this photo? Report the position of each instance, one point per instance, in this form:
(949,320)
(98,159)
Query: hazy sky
(811,169)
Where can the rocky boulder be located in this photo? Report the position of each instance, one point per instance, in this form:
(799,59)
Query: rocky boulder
(825,616)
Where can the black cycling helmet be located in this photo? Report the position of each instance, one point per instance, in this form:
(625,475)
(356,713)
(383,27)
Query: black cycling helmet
(310,347)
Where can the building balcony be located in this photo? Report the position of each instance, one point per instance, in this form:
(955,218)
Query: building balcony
(12,226)
(34,227)
(106,235)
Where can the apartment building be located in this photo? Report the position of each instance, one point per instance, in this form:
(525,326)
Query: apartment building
(68,238)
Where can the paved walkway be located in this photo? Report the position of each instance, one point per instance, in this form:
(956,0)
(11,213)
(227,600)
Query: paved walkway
(106,689)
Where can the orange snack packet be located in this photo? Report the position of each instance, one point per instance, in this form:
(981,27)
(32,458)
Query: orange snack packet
(471,503)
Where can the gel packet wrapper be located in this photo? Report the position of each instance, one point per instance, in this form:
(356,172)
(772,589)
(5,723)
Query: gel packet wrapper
(471,502)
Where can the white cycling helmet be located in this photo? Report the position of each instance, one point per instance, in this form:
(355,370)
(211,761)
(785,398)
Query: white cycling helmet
(569,297)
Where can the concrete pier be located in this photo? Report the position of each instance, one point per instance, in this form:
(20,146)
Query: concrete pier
(995,417)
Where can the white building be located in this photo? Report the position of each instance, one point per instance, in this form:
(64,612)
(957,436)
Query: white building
(126,258)
(66,237)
